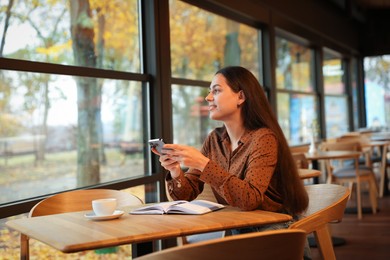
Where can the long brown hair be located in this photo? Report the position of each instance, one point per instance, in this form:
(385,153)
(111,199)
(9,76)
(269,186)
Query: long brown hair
(257,113)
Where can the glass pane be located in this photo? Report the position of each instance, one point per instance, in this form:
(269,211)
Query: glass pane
(336,116)
(202,42)
(377,91)
(61,132)
(294,66)
(191,122)
(333,72)
(102,34)
(297,114)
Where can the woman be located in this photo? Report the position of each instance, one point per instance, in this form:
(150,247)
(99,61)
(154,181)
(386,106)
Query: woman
(247,162)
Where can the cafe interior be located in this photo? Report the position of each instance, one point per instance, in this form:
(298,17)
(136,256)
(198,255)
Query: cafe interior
(86,84)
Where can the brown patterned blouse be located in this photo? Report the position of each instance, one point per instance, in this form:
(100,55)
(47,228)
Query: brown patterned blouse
(242,178)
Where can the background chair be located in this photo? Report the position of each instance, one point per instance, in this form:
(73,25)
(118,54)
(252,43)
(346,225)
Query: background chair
(300,148)
(327,203)
(301,160)
(267,245)
(351,174)
(370,154)
(78,200)
(375,154)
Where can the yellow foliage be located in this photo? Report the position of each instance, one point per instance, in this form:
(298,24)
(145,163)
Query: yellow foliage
(55,50)
(198,40)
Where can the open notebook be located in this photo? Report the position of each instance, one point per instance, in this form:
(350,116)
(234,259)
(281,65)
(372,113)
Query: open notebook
(195,207)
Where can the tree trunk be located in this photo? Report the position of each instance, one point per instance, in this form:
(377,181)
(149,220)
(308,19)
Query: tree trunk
(6,24)
(232,55)
(88,95)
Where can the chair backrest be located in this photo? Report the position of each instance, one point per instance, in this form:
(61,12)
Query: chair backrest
(328,200)
(79,200)
(301,160)
(300,148)
(327,203)
(267,245)
(355,138)
(339,146)
(350,145)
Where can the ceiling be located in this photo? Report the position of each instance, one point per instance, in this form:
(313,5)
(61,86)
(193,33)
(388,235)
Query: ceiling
(373,4)
(372,17)
(362,10)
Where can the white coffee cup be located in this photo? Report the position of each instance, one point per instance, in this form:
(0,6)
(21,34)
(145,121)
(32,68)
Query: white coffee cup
(104,207)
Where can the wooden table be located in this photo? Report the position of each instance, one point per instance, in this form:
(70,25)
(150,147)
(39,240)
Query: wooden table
(332,155)
(380,136)
(72,232)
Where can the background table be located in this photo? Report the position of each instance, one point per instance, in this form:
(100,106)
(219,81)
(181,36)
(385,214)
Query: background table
(329,155)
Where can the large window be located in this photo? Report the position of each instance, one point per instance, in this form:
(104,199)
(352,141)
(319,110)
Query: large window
(296,100)
(99,34)
(377,91)
(74,116)
(202,43)
(336,103)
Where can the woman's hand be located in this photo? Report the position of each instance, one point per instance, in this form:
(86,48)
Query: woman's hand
(185,155)
(169,164)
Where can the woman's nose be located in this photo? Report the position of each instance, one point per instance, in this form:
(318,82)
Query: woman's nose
(208,97)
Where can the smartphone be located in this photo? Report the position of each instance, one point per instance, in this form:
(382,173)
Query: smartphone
(158,144)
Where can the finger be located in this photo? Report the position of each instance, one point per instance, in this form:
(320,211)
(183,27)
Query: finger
(169,164)
(154,150)
(174,146)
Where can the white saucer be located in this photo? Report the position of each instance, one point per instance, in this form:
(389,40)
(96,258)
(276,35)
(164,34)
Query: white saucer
(116,214)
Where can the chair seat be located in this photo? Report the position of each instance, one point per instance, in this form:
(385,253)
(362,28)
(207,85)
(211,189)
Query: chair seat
(362,160)
(205,236)
(376,158)
(350,171)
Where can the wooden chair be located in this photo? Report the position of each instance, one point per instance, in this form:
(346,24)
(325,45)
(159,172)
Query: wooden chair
(300,148)
(78,200)
(327,203)
(267,245)
(374,154)
(352,174)
(301,160)
(306,174)
(368,155)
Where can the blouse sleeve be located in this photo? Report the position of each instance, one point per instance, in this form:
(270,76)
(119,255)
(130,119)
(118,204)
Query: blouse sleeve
(189,186)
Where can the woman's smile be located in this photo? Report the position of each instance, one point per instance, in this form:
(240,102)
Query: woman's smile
(212,107)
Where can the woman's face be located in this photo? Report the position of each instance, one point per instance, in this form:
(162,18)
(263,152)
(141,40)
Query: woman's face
(224,104)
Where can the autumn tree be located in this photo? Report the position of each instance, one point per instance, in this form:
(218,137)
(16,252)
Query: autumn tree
(36,86)
(202,43)
(90,41)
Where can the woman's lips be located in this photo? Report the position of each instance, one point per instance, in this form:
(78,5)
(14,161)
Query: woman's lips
(212,107)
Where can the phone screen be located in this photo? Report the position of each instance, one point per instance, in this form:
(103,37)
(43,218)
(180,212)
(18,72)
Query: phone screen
(157,143)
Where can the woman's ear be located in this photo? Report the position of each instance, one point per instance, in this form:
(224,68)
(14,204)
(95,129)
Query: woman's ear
(241,97)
